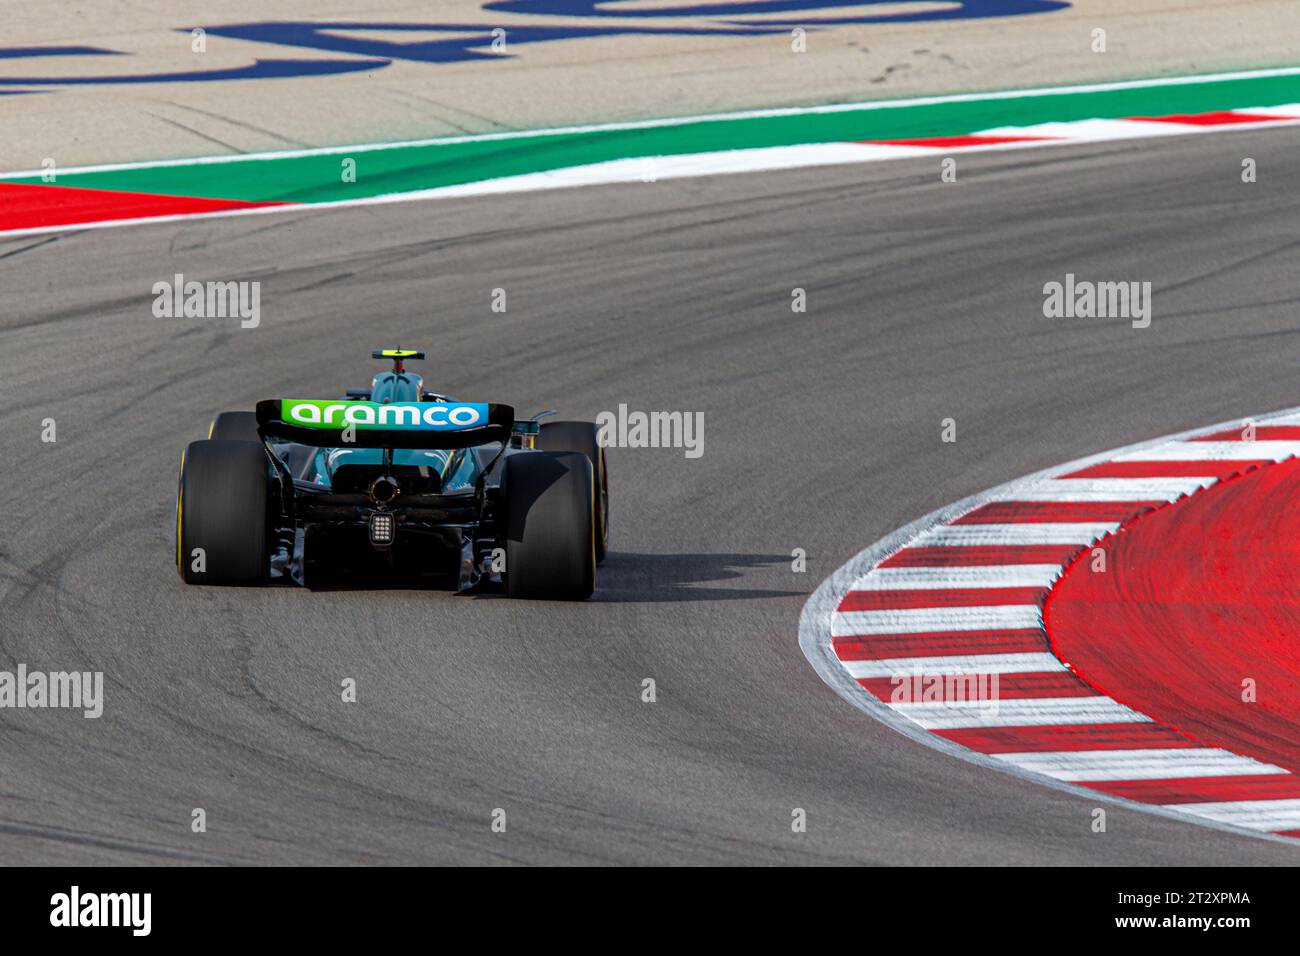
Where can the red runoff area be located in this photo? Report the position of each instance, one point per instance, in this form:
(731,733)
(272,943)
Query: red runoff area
(35,207)
(1196,598)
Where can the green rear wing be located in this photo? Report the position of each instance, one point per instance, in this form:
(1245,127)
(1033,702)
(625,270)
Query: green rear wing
(330,423)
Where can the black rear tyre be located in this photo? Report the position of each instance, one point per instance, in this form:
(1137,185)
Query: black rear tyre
(582,437)
(234,426)
(550,526)
(221,508)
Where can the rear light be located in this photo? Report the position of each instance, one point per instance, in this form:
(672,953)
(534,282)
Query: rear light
(382,529)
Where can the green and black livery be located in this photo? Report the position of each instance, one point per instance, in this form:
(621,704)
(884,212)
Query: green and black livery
(394,483)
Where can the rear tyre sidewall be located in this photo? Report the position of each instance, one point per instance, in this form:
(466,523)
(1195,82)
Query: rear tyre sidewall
(221,507)
(550,527)
(234,426)
(583,437)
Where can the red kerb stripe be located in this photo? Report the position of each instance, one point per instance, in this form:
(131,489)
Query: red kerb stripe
(883,646)
(982,555)
(1219,118)
(940,597)
(1282,786)
(1009,686)
(1166,469)
(1009,740)
(940,142)
(24,206)
(1009,512)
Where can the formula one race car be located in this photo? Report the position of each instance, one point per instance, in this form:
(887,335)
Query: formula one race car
(396,480)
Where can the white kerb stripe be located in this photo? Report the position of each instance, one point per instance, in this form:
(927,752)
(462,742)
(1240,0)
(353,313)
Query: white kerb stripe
(1022,712)
(1012,617)
(1255,814)
(1026,663)
(1285,111)
(1028,532)
(680,166)
(1104,489)
(990,576)
(1145,764)
(1093,130)
(1216,451)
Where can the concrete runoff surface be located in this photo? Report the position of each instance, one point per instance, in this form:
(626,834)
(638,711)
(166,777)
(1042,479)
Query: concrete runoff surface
(62,99)
(823,432)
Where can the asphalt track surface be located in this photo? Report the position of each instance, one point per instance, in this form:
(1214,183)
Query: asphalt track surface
(822,433)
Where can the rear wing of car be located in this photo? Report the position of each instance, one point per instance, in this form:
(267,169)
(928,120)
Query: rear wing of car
(330,423)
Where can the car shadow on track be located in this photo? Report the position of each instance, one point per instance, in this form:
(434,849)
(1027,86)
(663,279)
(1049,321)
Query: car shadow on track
(624,578)
(627,578)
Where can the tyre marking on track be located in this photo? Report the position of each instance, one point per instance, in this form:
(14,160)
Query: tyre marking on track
(1069,735)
